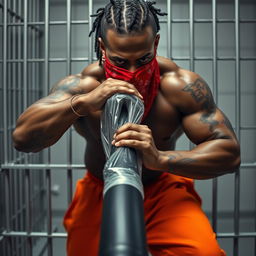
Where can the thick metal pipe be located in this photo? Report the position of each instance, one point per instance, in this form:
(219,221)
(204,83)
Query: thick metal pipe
(123,228)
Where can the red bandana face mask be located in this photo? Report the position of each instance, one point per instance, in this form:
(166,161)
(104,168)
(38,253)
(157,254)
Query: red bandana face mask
(146,79)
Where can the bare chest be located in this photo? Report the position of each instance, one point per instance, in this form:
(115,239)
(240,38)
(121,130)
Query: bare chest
(163,120)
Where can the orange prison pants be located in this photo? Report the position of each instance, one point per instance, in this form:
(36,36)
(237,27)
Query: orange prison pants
(175,222)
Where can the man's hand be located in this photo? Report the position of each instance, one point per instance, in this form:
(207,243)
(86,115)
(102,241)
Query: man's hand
(140,138)
(96,98)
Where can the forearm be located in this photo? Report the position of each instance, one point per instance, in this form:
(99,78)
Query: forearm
(43,123)
(207,160)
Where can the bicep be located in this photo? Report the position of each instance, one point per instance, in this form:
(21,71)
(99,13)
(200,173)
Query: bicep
(206,125)
(202,119)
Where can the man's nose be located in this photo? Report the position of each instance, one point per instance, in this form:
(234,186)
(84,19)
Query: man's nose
(132,68)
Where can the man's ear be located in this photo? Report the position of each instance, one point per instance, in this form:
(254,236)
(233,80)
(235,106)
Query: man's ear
(157,38)
(102,46)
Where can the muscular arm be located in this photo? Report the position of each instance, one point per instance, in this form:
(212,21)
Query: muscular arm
(45,121)
(217,150)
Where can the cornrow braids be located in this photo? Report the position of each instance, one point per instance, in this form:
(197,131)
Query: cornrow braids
(125,16)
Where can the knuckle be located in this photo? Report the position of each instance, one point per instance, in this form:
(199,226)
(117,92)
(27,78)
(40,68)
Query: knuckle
(129,125)
(147,129)
(133,142)
(147,145)
(148,137)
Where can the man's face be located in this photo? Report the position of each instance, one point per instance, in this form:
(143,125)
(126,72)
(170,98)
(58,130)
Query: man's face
(130,51)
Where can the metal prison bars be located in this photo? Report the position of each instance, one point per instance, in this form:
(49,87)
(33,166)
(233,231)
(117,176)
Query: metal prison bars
(24,38)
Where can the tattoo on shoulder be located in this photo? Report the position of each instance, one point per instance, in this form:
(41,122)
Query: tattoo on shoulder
(68,84)
(201,93)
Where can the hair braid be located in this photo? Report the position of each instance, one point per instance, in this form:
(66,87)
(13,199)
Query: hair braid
(117,7)
(155,12)
(133,16)
(125,16)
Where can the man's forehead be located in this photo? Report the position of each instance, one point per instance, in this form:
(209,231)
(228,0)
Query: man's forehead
(125,42)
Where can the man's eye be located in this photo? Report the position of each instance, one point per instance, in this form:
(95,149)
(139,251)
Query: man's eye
(120,62)
(144,60)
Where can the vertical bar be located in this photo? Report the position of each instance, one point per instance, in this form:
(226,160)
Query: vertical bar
(191,34)
(25,60)
(14,50)
(28,212)
(6,171)
(69,142)
(19,103)
(49,211)
(46,60)
(90,55)
(9,70)
(13,76)
(169,29)
(48,171)
(8,208)
(68,37)
(14,116)
(238,123)
(5,83)
(215,93)
(25,53)
(19,67)
(191,44)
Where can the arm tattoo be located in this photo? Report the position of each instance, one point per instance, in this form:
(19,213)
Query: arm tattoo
(68,84)
(179,163)
(207,118)
(200,92)
(227,123)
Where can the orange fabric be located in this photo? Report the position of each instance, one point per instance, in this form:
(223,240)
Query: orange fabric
(175,222)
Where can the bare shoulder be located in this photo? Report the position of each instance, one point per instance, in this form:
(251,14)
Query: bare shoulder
(166,65)
(95,71)
(185,89)
(90,77)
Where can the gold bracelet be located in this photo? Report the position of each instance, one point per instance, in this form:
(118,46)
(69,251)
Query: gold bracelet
(71,100)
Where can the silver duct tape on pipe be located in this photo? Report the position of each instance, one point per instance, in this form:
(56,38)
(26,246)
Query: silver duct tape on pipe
(118,175)
(123,166)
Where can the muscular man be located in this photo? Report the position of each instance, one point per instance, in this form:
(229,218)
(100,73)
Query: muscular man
(176,101)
